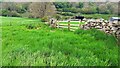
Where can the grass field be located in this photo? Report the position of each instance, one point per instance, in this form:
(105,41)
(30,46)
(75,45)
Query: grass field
(104,16)
(30,42)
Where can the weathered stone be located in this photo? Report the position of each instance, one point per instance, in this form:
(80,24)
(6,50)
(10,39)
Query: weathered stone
(107,27)
(118,32)
(115,22)
(98,27)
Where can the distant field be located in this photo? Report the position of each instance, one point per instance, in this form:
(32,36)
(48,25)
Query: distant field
(104,16)
(95,16)
(29,42)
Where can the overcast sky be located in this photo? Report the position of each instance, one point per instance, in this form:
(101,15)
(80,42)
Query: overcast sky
(59,0)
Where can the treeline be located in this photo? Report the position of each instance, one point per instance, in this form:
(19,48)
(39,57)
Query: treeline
(14,9)
(70,8)
(48,9)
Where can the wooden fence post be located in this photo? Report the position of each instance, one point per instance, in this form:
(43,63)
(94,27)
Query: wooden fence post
(79,24)
(58,24)
(68,25)
(55,24)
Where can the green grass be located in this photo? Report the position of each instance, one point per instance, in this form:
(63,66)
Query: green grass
(95,16)
(104,16)
(23,45)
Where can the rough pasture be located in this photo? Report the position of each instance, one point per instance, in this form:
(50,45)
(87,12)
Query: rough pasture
(44,46)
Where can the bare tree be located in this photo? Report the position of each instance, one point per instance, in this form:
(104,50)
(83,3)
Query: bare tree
(103,9)
(41,9)
(113,7)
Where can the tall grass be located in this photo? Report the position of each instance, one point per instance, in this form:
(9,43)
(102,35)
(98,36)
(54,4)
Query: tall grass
(22,46)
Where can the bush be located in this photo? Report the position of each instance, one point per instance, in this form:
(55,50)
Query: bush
(104,12)
(58,17)
(27,14)
(66,9)
(44,19)
(89,10)
(67,14)
(14,14)
(65,17)
(74,10)
(10,13)
(4,12)
(59,9)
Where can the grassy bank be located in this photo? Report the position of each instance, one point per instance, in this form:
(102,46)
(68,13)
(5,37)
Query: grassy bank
(30,42)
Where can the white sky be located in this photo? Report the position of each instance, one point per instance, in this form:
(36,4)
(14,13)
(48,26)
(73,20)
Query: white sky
(59,0)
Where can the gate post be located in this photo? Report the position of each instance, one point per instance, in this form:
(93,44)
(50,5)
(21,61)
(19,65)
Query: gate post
(79,24)
(69,25)
(57,24)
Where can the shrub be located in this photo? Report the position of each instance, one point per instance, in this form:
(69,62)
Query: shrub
(74,10)
(66,9)
(89,10)
(10,13)
(44,19)
(67,14)
(58,17)
(4,12)
(14,14)
(27,14)
(65,17)
(104,12)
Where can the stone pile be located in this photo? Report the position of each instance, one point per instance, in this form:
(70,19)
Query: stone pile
(116,28)
(107,27)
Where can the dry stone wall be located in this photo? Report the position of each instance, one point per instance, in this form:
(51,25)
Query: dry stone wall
(107,27)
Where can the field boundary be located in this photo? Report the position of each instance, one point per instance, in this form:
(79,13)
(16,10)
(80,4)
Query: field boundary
(69,25)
